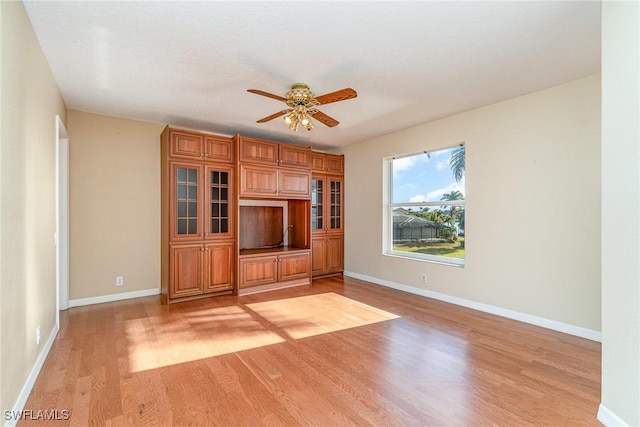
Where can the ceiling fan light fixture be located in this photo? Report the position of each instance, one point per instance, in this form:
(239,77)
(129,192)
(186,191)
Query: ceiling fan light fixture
(302,102)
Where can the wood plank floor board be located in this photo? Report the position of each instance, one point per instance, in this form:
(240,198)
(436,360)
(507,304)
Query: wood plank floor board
(341,352)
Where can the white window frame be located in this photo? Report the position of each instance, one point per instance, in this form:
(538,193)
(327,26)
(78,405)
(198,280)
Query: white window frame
(389,206)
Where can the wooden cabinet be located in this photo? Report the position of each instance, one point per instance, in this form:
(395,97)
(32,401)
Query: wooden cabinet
(327,255)
(327,163)
(273,182)
(198,215)
(327,204)
(201,268)
(260,271)
(327,214)
(201,201)
(252,150)
(193,145)
(272,170)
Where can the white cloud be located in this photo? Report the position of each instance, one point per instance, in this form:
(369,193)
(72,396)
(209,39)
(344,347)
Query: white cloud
(436,195)
(418,198)
(406,163)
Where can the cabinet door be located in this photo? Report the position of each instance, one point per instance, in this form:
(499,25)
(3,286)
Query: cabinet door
(318,162)
(335,164)
(258,151)
(186,145)
(220,202)
(258,271)
(258,181)
(294,266)
(185,195)
(186,270)
(318,185)
(219,266)
(335,254)
(218,149)
(318,256)
(297,157)
(294,184)
(334,202)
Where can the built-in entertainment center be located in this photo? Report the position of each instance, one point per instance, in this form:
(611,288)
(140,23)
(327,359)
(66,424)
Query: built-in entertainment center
(242,215)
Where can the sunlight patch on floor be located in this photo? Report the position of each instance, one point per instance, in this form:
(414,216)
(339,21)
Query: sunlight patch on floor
(213,332)
(204,334)
(311,315)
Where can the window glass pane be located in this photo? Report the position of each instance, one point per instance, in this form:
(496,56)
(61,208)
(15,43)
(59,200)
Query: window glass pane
(182,174)
(193,209)
(215,177)
(193,226)
(224,194)
(431,224)
(193,193)
(182,192)
(182,209)
(429,230)
(215,225)
(224,225)
(193,176)
(215,193)
(182,226)
(215,209)
(224,178)
(427,177)
(224,210)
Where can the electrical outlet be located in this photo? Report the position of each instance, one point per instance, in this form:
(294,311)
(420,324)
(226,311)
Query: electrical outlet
(38,335)
(119,281)
(424,278)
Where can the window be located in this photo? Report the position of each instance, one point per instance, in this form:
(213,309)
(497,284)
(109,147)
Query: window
(425,207)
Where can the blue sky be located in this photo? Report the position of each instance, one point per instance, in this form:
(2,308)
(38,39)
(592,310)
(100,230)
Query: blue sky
(420,178)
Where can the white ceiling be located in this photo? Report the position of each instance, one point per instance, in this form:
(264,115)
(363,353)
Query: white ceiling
(189,64)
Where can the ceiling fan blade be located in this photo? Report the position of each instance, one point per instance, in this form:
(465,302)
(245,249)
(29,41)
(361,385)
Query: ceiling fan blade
(274,115)
(267,94)
(324,119)
(339,95)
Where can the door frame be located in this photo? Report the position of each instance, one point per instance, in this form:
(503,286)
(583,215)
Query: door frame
(62,218)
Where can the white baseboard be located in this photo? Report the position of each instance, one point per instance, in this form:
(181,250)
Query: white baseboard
(31,379)
(609,419)
(498,311)
(113,297)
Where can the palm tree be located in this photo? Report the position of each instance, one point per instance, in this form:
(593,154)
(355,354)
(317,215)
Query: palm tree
(456,162)
(454,211)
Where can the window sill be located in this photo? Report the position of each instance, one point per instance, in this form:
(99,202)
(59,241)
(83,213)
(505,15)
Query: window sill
(452,262)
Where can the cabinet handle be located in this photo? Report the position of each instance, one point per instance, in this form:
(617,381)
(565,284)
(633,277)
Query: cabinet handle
(202,155)
(201,234)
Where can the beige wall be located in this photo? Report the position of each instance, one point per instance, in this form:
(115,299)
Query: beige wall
(114,211)
(620,213)
(30,102)
(533,205)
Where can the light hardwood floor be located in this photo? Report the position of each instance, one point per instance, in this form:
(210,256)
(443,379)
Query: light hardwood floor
(341,352)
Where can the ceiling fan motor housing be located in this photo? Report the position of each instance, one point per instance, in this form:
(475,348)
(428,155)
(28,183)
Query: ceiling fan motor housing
(300,94)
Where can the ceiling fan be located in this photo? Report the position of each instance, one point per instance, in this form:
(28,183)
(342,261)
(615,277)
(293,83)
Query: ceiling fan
(302,102)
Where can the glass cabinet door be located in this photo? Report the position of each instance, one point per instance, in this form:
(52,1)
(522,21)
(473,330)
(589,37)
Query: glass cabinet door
(186,201)
(335,204)
(317,204)
(220,202)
